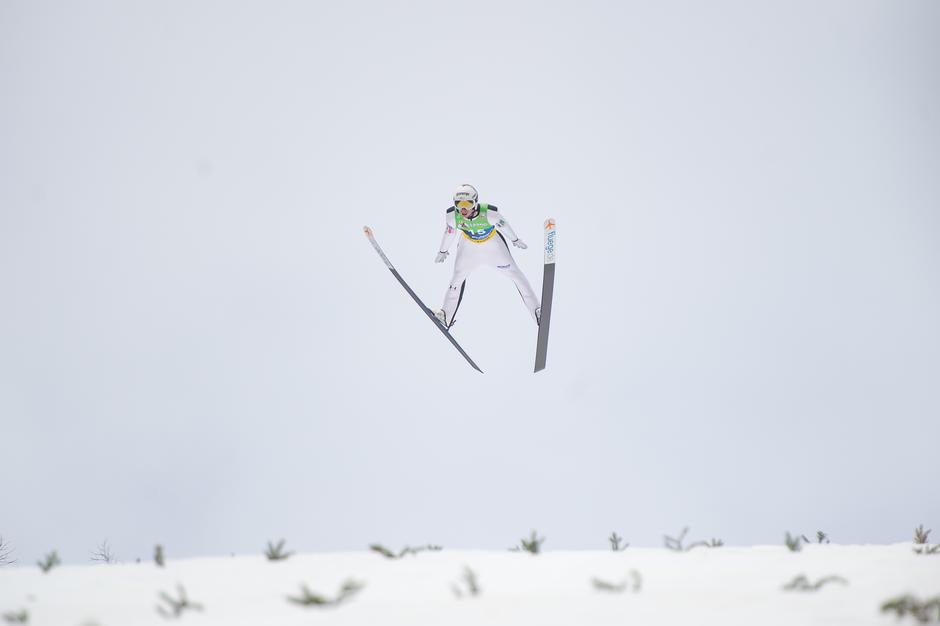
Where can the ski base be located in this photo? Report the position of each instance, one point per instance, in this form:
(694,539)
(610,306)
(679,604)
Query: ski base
(548,288)
(375,244)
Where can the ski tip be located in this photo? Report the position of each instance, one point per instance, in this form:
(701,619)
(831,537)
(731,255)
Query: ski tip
(367,231)
(549,235)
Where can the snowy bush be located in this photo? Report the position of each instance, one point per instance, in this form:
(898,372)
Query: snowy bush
(675,543)
(174,607)
(103,553)
(311,598)
(51,560)
(802,583)
(158,557)
(615,540)
(532,545)
(6,553)
(793,543)
(920,538)
(634,578)
(924,611)
(389,554)
(468,581)
(21,617)
(276,552)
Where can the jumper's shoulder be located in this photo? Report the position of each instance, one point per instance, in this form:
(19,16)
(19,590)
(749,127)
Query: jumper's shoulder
(491,207)
(449,210)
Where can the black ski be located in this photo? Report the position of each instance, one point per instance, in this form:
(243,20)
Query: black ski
(427,311)
(548,288)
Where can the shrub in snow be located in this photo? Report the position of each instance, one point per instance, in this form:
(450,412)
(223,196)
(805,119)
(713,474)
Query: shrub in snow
(802,583)
(675,543)
(311,598)
(174,607)
(103,553)
(51,560)
(389,554)
(276,552)
(624,585)
(615,540)
(920,538)
(12,617)
(821,537)
(6,553)
(158,557)
(924,611)
(469,581)
(793,542)
(533,544)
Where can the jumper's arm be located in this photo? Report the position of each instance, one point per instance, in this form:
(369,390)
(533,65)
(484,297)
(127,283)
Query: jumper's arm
(496,219)
(450,233)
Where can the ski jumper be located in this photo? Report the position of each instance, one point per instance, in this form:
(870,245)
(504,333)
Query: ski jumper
(481,245)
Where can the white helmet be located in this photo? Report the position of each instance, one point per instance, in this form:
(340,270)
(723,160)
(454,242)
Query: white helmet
(465,194)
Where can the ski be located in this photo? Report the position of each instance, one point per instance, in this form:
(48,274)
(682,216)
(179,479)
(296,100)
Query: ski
(548,287)
(427,311)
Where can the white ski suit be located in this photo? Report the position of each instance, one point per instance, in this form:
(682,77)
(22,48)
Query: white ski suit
(482,244)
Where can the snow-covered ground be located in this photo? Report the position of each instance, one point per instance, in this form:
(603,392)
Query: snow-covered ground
(725,585)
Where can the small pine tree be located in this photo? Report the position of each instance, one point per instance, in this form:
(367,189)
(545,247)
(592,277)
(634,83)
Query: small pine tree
(174,607)
(793,543)
(615,540)
(276,552)
(532,545)
(470,581)
(311,598)
(50,561)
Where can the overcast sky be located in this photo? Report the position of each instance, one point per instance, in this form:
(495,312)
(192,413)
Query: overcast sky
(199,348)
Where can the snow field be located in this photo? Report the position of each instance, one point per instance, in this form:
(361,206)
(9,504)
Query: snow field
(726,585)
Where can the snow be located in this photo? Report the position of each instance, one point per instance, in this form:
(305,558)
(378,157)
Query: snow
(724,585)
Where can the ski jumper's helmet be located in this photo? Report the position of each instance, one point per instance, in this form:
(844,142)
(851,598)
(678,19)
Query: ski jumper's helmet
(465,199)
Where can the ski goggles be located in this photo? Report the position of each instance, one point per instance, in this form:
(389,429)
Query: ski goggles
(466,204)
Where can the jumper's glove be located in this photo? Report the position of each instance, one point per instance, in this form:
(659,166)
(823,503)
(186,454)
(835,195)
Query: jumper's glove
(441,256)
(519,244)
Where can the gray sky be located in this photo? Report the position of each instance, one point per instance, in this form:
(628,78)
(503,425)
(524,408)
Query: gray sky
(198,347)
